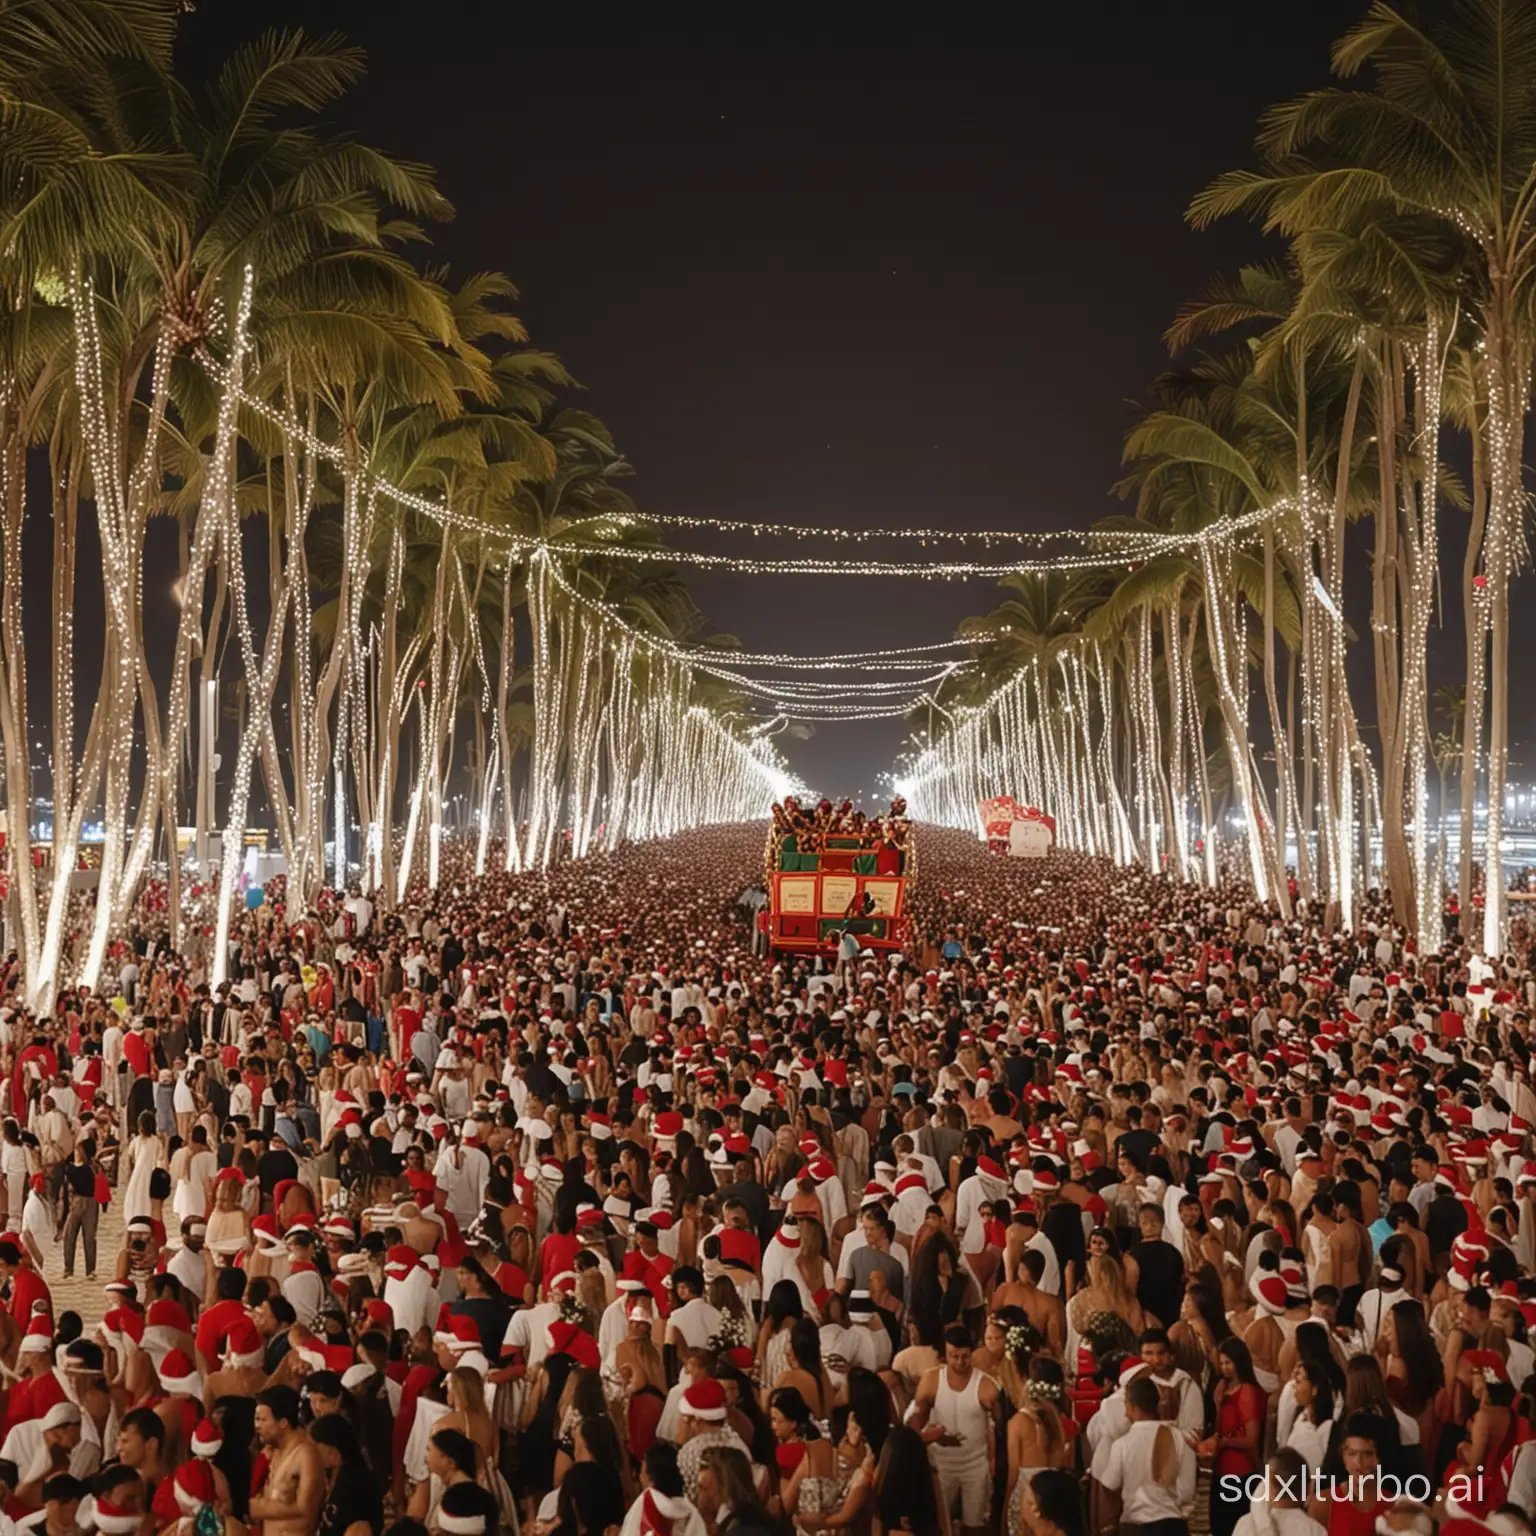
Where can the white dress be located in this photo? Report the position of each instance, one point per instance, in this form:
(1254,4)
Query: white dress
(144,1152)
(13,1163)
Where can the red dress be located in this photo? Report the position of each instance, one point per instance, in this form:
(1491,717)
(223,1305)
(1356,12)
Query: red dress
(1246,1405)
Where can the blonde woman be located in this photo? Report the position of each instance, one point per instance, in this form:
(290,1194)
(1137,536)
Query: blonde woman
(1036,1442)
(468,1414)
(1104,1310)
(812,1274)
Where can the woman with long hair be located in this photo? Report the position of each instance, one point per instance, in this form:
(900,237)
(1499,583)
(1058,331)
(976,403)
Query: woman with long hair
(352,1494)
(1313,1345)
(1414,1371)
(727,1495)
(641,1376)
(1237,1444)
(1052,1504)
(871,1402)
(467,1413)
(812,1273)
(855,1475)
(1200,1331)
(1312,1424)
(1036,1438)
(807,1463)
(943,1289)
(782,1311)
(142,1156)
(1104,1314)
(905,1496)
(803,1369)
(745,1414)
(599,1486)
(1365,1391)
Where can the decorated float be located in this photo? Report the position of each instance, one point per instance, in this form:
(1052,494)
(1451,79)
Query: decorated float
(831,868)
(1017,831)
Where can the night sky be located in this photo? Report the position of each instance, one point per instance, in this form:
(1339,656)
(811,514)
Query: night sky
(858,278)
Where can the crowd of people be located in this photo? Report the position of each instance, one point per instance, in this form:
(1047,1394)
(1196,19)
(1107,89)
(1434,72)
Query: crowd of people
(543,1203)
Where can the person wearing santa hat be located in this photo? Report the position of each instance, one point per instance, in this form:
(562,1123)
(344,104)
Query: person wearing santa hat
(528,1331)
(304,1286)
(409,1289)
(702,1424)
(116,1506)
(986,1185)
(188,1264)
(26,1285)
(663,1507)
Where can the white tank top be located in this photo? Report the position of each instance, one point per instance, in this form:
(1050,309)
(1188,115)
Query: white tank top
(962,1414)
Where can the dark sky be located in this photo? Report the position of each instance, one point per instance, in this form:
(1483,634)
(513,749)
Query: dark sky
(904,275)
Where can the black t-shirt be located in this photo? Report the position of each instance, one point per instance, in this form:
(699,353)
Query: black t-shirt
(82,1179)
(490,1317)
(755,1198)
(1063,1227)
(597,1492)
(354,1497)
(1160,1279)
(1445,1219)
(274,1166)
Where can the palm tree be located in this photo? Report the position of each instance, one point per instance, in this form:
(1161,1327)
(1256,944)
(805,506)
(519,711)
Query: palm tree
(1442,133)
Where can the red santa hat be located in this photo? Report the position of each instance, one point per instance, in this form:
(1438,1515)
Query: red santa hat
(168,1314)
(567,1339)
(194,1486)
(179,1375)
(1269,1291)
(459,1334)
(705,1400)
(120,1327)
(113,1520)
(635,1276)
(401,1261)
(1491,1366)
(38,1339)
(244,1343)
(207,1439)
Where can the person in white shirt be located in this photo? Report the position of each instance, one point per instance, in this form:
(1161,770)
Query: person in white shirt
(1151,1466)
(1282,1513)
(1168,1377)
(693,1321)
(463,1172)
(663,1504)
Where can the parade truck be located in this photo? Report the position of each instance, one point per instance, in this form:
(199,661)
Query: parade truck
(834,870)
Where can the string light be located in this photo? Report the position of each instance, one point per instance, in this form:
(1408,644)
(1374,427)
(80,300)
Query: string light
(865,535)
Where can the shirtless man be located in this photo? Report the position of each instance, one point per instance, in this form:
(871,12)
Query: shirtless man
(242,1374)
(1045,1312)
(289,1501)
(1348,1246)
(419,1232)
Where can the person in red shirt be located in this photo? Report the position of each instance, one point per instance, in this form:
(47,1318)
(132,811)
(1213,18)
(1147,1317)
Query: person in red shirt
(214,1324)
(40,1054)
(1351,1505)
(27,1286)
(136,1052)
(557,1255)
